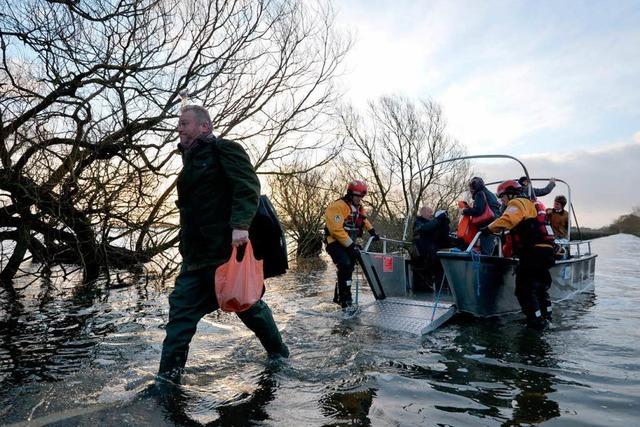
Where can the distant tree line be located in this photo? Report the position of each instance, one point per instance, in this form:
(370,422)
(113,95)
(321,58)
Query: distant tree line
(629,223)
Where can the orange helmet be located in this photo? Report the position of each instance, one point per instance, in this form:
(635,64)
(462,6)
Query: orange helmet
(510,186)
(357,188)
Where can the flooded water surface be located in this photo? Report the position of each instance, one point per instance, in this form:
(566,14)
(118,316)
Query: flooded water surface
(70,357)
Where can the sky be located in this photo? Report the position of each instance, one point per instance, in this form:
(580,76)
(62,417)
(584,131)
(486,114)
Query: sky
(555,83)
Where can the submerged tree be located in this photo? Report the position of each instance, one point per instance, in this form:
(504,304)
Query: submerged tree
(393,145)
(301,200)
(87,158)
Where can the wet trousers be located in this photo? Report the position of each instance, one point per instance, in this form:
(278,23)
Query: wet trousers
(533,281)
(345,265)
(427,273)
(192,298)
(487,244)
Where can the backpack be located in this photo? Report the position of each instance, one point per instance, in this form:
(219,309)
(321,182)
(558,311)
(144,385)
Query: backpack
(267,237)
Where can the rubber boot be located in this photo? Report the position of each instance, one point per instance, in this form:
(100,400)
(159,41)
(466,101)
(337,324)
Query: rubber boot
(547,313)
(260,320)
(345,294)
(536,321)
(172,366)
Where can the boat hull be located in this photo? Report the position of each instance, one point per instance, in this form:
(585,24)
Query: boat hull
(485,286)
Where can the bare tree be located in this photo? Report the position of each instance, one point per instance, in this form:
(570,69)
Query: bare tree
(87,162)
(395,142)
(301,200)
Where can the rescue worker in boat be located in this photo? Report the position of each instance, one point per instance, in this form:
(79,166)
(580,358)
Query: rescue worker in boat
(481,197)
(532,241)
(430,233)
(559,218)
(537,192)
(345,220)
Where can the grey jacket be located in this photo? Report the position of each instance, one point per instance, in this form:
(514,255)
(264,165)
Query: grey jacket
(539,192)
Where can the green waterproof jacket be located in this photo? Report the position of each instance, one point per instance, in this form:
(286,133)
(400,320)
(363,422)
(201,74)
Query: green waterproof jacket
(218,191)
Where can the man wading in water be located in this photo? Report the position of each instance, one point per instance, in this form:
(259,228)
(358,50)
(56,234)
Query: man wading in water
(218,193)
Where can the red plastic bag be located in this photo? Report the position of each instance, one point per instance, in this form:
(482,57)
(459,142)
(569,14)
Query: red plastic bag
(239,284)
(466,229)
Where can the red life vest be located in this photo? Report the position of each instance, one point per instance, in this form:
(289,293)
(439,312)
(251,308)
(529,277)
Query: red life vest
(354,223)
(533,231)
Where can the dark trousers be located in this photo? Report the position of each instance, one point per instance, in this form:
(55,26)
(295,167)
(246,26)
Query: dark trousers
(533,281)
(192,298)
(427,273)
(345,265)
(487,244)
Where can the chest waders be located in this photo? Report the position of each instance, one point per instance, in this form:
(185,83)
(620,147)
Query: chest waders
(345,259)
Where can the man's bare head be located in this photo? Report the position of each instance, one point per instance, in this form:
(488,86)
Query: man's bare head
(426,212)
(194,121)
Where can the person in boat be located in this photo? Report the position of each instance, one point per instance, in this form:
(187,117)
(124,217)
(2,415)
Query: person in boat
(533,245)
(218,193)
(559,218)
(345,220)
(482,198)
(430,234)
(537,192)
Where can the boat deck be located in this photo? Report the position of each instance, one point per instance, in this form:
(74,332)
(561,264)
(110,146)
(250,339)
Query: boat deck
(417,315)
(406,315)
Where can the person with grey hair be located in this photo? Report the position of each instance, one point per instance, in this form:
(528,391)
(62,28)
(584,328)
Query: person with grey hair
(218,193)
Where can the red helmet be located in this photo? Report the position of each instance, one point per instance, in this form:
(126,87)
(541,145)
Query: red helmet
(510,186)
(357,188)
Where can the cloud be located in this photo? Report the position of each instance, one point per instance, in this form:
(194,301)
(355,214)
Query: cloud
(554,78)
(394,45)
(508,74)
(603,180)
(492,110)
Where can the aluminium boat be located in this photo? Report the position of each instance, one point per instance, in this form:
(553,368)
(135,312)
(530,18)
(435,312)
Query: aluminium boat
(481,285)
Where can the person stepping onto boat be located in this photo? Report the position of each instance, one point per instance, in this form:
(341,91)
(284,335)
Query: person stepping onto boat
(533,245)
(481,198)
(345,220)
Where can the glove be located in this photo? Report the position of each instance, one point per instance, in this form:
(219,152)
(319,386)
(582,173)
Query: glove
(484,231)
(353,250)
(375,235)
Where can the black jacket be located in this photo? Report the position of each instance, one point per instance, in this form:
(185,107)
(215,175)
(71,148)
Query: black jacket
(430,235)
(539,192)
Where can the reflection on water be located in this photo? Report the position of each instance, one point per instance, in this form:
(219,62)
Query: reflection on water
(86,356)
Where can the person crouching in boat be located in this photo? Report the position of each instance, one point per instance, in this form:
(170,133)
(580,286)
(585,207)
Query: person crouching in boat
(533,245)
(345,219)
